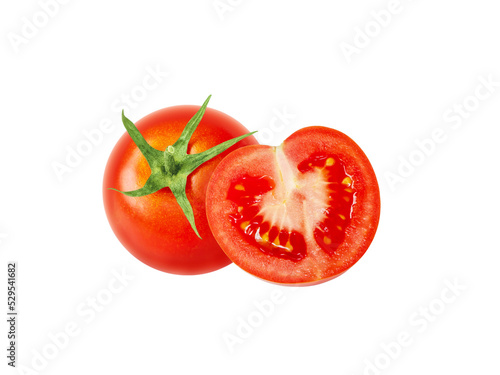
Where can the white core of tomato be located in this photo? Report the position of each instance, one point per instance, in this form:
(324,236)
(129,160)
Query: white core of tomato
(298,201)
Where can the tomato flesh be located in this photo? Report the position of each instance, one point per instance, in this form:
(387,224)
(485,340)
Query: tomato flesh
(247,193)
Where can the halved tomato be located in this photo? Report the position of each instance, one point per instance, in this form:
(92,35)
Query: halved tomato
(301,213)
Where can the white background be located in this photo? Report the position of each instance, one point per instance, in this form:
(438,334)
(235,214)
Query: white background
(439,226)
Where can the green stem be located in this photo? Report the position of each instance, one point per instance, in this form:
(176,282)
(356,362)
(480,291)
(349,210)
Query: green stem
(171,168)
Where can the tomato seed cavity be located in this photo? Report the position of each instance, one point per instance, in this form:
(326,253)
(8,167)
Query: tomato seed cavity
(330,233)
(247,193)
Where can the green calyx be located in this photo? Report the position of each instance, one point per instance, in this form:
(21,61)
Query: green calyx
(171,168)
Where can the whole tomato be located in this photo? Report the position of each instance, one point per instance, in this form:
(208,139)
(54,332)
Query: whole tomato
(151,167)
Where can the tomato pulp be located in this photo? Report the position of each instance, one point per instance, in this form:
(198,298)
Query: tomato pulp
(298,214)
(154,228)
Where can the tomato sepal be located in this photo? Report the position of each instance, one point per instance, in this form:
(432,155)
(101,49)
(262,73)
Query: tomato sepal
(171,168)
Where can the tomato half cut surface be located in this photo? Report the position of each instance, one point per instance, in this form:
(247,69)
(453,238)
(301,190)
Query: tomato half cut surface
(301,213)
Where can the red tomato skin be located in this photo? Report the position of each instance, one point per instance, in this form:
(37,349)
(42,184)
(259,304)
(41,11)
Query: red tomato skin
(258,160)
(153,228)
